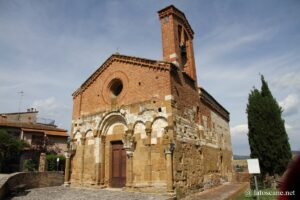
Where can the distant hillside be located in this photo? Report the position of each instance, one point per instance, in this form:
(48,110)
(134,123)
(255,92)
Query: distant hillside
(243,157)
(240,157)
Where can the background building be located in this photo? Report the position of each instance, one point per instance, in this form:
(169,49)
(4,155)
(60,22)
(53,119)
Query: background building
(41,134)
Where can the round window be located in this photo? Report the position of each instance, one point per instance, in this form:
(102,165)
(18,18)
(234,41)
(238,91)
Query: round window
(115,87)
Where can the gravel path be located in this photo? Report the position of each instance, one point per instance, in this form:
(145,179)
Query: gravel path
(63,193)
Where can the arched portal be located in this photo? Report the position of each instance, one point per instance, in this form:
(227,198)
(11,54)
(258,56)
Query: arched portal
(113,155)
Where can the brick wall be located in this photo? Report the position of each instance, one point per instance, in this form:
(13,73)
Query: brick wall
(140,84)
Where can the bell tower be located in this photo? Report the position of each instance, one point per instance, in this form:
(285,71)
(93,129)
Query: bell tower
(177,40)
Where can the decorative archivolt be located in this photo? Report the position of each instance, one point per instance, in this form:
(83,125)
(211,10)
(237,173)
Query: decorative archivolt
(139,128)
(77,136)
(110,121)
(89,133)
(158,127)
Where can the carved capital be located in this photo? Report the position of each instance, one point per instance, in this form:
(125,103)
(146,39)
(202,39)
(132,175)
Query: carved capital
(73,147)
(129,153)
(129,132)
(68,154)
(95,133)
(103,138)
(148,132)
(73,140)
(169,128)
(129,140)
(170,148)
(82,140)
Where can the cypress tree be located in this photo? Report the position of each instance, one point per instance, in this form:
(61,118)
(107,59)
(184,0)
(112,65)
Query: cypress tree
(267,136)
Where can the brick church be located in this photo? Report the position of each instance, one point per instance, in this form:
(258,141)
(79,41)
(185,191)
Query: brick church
(146,124)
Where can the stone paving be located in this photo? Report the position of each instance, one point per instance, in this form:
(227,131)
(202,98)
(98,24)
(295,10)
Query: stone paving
(223,192)
(63,193)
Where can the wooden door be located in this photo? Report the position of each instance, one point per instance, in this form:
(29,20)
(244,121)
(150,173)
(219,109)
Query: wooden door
(118,165)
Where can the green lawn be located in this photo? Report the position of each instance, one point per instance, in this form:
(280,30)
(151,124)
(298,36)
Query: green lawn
(249,195)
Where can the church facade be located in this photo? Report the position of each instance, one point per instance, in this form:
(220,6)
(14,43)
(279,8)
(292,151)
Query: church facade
(146,125)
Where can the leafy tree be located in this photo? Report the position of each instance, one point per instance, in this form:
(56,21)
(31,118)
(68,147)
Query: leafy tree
(10,150)
(267,136)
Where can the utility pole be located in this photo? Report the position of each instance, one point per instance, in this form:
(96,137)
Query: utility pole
(21,93)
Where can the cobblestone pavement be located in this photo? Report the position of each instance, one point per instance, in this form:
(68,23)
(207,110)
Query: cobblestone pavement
(226,191)
(63,193)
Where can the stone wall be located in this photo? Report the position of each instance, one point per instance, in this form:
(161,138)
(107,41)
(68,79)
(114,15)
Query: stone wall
(93,133)
(30,180)
(203,154)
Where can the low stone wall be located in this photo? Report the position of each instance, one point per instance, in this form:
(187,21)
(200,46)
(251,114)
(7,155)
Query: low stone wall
(241,177)
(30,180)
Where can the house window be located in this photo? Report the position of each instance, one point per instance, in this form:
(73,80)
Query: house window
(37,140)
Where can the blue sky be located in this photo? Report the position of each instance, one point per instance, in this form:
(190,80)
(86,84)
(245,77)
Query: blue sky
(48,48)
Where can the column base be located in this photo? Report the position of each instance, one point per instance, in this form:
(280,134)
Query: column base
(67,184)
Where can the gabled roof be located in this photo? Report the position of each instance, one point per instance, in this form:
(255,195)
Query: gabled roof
(142,62)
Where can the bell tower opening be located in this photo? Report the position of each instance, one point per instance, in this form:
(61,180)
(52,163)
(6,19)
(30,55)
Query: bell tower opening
(177,40)
(182,45)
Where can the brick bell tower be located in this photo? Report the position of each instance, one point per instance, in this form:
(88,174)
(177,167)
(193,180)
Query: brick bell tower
(177,40)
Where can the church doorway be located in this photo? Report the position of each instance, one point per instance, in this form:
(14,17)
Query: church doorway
(118,165)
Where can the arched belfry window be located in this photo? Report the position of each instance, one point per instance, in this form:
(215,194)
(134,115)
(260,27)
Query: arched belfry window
(182,38)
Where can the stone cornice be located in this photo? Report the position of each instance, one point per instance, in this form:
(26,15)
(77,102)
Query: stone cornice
(210,100)
(172,10)
(142,62)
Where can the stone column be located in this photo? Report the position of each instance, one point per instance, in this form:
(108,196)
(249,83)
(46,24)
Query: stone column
(128,144)
(149,166)
(129,174)
(102,161)
(67,169)
(98,160)
(82,141)
(42,163)
(169,167)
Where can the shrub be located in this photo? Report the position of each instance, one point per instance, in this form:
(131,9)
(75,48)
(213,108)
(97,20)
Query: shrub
(52,162)
(29,165)
(10,151)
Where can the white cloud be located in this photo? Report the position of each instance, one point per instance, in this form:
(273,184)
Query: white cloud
(47,106)
(288,80)
(288,127)
(226,40)
(239,139)
(238,130)
(290,105)
(50,108)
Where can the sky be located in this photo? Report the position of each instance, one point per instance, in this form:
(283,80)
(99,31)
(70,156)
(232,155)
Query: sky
(49,48)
